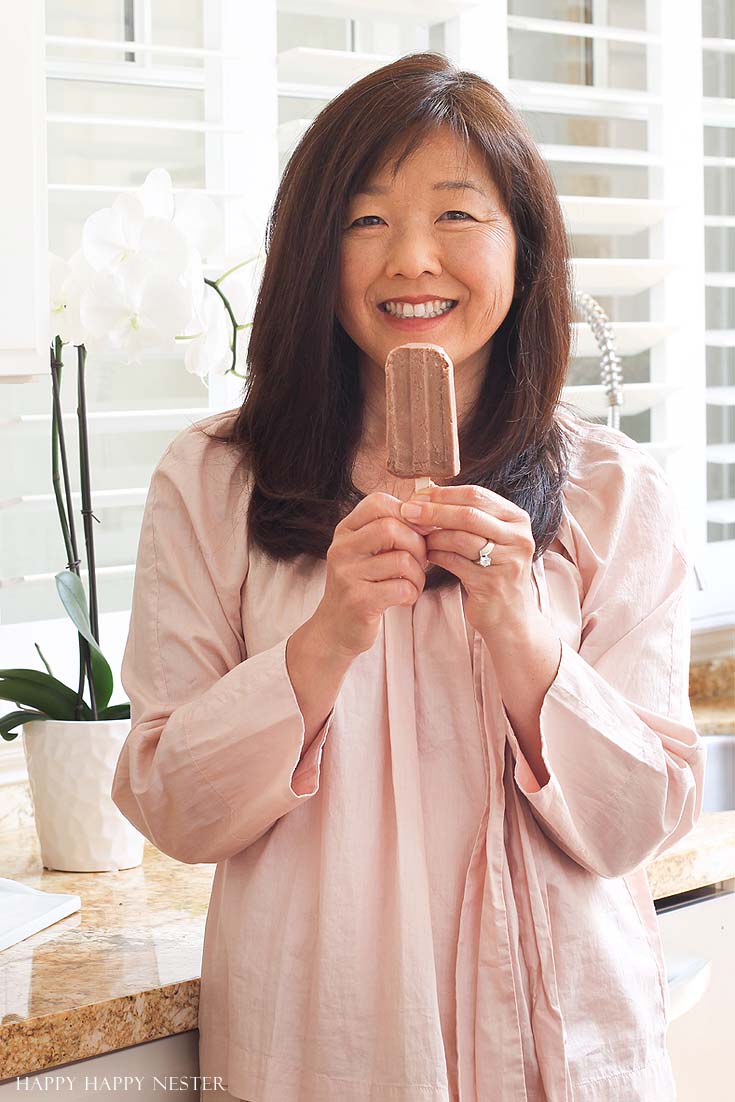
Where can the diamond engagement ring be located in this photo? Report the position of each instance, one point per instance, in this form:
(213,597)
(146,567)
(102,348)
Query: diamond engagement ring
(484,559)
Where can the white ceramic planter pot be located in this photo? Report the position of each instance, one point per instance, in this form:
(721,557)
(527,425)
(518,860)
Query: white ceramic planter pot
(70,769)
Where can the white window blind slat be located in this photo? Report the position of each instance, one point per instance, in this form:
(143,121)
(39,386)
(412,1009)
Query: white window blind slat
(721,512)
(718,111)
(586,154)
(112,190)
(631,337)
(126,570)
(408,11)
(618,275)
(720,338)
(582,30)
(609,215)
(721,453)
(583,99)
(140,122)
(719,45)
(105,422)
(80,43)
(104,498)
(638,398)
(330,68)
(96,72)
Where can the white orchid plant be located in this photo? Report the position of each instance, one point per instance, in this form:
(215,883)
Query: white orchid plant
(135,287)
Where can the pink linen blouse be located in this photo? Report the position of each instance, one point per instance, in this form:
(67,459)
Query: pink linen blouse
(400,913)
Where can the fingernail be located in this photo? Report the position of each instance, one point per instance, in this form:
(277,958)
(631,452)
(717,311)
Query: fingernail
(411,510)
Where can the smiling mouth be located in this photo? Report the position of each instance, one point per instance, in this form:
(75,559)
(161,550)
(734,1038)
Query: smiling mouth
(436,308)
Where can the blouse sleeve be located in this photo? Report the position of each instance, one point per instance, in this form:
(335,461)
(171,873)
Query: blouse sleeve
(625,761)
(215,752)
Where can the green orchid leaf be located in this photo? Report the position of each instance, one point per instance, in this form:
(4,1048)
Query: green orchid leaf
(37,689)
(71,591)
(15,719)
(115,711)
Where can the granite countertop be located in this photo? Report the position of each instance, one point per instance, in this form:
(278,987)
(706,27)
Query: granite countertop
(717,716)
(122,970)
(125,969)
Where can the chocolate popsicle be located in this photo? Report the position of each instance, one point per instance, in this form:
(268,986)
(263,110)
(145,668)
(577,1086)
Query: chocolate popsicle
(421,414)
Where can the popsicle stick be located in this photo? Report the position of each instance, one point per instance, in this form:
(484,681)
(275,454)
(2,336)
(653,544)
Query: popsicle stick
(423,485)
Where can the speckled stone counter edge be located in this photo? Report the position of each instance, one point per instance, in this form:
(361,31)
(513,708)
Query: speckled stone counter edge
(30,1046)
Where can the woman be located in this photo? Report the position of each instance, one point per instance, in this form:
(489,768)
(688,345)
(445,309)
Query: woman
(431,785)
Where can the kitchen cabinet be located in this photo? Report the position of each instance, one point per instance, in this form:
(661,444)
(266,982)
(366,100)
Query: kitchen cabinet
(698,938)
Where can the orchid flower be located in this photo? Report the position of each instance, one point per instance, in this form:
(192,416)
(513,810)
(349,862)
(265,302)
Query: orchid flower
(133,310)
(67,279)
(114,235)
(193,214)
(210,353)
(137,282)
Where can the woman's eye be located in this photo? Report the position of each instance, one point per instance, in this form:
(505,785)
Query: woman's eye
(364,220)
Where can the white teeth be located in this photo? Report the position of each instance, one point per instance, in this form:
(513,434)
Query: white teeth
(431,309)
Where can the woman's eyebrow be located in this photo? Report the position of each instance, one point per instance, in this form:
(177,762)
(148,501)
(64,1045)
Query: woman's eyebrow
(443,185)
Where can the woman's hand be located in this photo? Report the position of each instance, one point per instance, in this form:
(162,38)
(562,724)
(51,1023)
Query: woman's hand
(375,560)
(465,518)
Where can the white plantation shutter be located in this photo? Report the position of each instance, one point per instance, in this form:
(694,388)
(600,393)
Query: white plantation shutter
(218,92)
(23,233)
(718,86)
(612,91)
(129,86)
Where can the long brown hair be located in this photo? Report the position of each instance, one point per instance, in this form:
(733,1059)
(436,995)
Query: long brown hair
(299,425)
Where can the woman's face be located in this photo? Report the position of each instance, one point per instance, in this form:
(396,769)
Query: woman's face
(426,237)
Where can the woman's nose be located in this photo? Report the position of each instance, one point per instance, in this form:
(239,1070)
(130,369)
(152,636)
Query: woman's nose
(412,253)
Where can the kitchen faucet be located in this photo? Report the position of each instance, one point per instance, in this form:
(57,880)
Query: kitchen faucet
(611,372)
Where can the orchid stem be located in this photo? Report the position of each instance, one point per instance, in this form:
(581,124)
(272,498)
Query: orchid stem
(234,268)
(66,515)
(213,284)
(87,518)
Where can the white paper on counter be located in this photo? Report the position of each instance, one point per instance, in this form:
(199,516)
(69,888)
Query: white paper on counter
(25,911)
